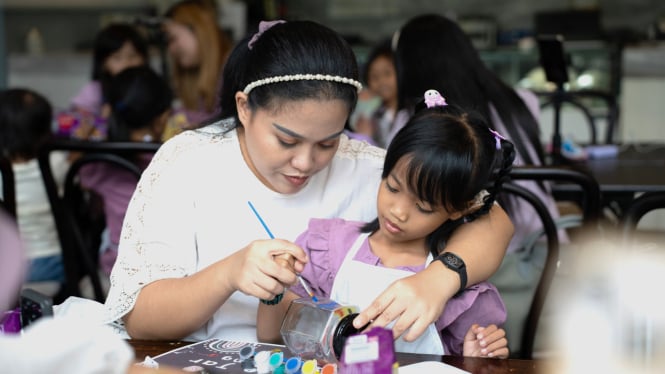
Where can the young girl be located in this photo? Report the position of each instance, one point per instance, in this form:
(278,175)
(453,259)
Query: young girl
(433,178)
(381,79)
(25,125)
(140,102)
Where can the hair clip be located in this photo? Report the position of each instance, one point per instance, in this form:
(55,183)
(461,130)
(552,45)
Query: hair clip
(263,26)
(498,138)
(433,98)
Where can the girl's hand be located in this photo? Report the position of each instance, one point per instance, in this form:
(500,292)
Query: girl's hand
(487,341)
(260,269)
(411,302)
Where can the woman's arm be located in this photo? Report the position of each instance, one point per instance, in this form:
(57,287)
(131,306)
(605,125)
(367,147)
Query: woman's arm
(417,301)
(173,308)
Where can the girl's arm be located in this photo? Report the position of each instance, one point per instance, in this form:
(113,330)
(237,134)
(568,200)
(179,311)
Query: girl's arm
(269,319)
(173,308)
(415,302)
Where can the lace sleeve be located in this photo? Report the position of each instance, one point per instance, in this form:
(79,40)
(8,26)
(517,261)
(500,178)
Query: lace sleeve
(158,239)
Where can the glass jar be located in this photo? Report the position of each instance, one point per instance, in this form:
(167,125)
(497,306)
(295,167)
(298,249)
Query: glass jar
(318,330)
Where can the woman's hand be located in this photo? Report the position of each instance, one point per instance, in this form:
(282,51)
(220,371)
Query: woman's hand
(265,267)
(414,302)
(487,341)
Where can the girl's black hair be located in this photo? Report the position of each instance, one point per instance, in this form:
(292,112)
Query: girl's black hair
(452,156)
(109,40)
(294,47)
(25,123)
(137,96)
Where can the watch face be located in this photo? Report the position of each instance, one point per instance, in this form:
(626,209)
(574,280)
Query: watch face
(453,260)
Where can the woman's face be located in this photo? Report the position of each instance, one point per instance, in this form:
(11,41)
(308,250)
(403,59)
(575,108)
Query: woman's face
(125,57)
(382,78)
(285,147)
(182,44)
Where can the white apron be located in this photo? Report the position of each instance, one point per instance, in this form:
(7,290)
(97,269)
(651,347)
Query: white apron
(358,283)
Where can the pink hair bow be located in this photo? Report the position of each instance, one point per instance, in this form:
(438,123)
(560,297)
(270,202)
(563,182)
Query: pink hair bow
(263,26)
(498,138)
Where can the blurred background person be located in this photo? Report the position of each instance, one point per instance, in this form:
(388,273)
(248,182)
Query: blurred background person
(25,125)
(116,47)
(197,50)
(376,116)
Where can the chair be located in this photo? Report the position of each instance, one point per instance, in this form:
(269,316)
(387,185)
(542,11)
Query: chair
(637,209)
(551,262)
(590,201)
(577,99)
(590,204)
(8,186)
(78,213)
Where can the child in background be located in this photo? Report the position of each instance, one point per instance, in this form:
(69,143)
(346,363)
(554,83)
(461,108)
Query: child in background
(140,105)
(25,124)
(381,79)
(116,47)
(434,178)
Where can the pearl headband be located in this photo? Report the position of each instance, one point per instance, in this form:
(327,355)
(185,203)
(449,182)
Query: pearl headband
(302,77)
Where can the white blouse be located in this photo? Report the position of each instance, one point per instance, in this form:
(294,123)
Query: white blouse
(190,209)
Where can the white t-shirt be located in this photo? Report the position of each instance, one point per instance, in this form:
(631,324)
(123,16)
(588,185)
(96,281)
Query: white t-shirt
(33,209)
(190,209)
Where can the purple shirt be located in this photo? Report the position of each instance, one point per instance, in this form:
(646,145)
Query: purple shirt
(116,187)
(327,241)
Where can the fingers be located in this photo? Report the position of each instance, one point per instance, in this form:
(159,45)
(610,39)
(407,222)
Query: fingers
(373,312)
(406,303)
(265,267)
(286,261)
(283,247)
(493,341)
(472,333)
(413,324)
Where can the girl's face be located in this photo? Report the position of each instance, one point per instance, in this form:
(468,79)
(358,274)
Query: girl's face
(382,78)
(403,217)
(183,45)
(285,147)
(125,57)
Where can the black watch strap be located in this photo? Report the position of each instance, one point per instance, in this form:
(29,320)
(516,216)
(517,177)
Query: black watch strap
(456,264)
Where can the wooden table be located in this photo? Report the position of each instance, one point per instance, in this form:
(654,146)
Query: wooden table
(637,168)
(152,348)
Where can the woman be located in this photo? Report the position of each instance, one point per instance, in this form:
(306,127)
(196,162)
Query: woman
(198,49)
(189,240)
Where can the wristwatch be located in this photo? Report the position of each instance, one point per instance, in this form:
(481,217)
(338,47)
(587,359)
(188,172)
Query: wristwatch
(456,264)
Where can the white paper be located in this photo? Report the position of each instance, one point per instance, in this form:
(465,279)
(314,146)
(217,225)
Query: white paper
(430,367)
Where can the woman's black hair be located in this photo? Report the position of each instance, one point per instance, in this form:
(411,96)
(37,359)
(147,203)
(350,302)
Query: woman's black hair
(452,156)
(109,40)
(137,95)
(294,47)
(25,123)
(433,52)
